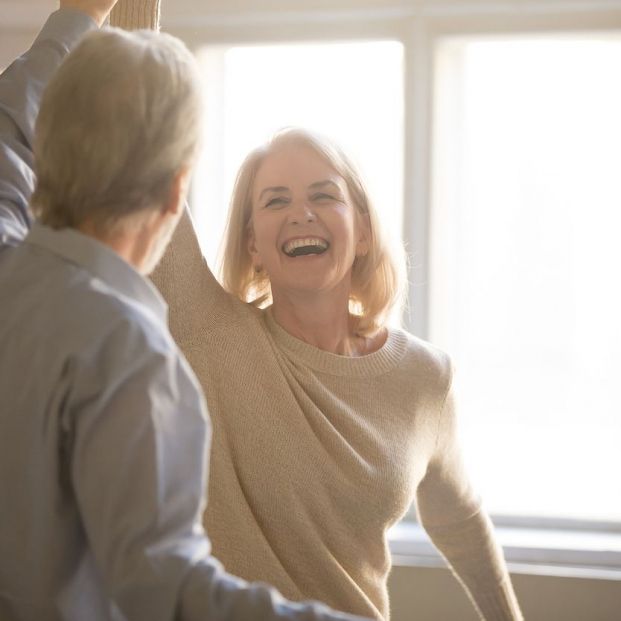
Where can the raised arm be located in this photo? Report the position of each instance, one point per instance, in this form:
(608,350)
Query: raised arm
(461,529)
(21,87)
(196,301)
(131,15)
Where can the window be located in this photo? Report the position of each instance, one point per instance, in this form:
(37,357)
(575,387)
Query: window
(351,92)
(522,250)
(500,178)
(525,255)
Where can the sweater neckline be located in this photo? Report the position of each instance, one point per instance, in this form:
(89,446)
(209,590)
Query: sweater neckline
(376,363)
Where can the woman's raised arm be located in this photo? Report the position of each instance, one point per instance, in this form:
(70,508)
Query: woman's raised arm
(195,298)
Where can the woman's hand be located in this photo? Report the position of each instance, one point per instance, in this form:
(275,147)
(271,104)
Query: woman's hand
(97,9)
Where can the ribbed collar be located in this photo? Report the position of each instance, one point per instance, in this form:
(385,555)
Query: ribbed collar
(377,363)
(102,262)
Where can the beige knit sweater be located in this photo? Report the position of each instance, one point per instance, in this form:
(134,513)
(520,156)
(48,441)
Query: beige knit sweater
(315,456)
(135,14)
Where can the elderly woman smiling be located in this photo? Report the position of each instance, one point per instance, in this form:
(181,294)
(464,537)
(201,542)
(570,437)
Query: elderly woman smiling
(327,423)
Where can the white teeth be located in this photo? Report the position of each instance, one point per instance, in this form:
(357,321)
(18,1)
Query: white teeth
(290,246)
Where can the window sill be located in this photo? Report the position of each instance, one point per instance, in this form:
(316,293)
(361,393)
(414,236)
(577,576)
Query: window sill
(536,551)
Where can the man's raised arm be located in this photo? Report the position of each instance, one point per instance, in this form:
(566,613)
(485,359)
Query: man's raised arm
(21,87)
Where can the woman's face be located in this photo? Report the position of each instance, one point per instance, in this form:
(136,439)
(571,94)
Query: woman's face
(305,231)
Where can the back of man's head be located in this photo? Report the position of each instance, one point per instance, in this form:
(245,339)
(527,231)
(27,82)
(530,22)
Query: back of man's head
(119,119)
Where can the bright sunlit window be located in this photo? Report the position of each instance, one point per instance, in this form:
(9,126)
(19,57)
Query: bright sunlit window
(350,92)
(526,255)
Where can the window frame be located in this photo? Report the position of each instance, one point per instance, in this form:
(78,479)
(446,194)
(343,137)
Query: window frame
(420,27)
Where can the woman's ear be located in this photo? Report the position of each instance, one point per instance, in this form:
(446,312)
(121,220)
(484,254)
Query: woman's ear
(252,248)
(364,235)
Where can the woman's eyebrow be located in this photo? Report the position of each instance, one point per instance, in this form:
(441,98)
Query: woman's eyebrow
(276,188)
(322,184)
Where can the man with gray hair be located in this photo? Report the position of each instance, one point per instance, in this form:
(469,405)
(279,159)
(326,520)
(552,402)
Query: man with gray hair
(103,429)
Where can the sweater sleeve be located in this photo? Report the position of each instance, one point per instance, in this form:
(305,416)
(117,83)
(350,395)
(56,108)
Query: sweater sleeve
(136,14)
(197,302)
(459,527)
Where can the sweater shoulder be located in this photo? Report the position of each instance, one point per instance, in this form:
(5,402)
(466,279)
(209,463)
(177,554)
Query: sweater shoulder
(427,361)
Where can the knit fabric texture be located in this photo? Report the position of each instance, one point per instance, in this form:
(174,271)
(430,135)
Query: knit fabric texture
(315,456)
(136,14)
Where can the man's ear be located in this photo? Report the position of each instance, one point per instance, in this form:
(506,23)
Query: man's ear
(178,191)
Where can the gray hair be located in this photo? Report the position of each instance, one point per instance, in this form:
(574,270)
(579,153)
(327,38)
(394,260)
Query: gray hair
(119,119)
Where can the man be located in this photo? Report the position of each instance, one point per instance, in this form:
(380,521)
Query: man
(103,430)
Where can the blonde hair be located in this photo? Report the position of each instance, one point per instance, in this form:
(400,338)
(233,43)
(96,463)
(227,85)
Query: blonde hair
(118,120)
(377,278)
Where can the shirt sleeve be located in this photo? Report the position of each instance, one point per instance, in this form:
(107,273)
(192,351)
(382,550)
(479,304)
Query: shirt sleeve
(212,594)
(459,527)
(21,88)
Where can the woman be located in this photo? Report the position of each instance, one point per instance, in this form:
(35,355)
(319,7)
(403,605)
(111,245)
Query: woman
(327,424)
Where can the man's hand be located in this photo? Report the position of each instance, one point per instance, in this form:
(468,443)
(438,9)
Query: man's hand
(97,9)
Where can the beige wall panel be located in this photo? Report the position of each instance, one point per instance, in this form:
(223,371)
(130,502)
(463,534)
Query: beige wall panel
(426,594)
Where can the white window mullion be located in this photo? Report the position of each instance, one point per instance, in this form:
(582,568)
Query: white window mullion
(418,98)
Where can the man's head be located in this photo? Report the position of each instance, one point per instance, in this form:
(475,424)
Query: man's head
(118,131)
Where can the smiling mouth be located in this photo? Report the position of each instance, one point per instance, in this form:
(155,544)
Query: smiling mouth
(307,245)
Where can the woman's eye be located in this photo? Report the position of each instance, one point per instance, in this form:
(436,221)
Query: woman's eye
(277,201)
(322,197)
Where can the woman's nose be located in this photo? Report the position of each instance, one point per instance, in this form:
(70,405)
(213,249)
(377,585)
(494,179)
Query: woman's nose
(302,212)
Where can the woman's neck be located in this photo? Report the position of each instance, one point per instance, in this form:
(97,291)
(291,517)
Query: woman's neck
(323,323)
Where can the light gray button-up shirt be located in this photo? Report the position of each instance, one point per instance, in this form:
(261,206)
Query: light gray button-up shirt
(103,430)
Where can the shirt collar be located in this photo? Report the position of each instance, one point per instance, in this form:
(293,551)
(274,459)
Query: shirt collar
(102,262)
